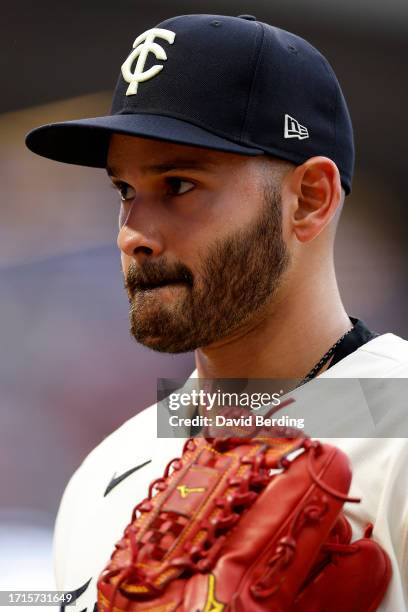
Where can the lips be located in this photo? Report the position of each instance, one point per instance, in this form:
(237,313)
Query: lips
(150,286)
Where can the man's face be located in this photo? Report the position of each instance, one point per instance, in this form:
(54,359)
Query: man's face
(200,238)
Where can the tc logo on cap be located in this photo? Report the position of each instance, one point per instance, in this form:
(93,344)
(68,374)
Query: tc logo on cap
(143,45)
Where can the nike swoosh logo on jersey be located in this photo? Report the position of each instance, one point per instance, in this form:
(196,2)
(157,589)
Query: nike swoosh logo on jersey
(115,480)
(75,594)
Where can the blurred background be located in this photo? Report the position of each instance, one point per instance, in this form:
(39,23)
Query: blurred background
(70,372)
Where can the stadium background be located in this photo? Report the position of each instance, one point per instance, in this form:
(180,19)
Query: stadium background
(69,372)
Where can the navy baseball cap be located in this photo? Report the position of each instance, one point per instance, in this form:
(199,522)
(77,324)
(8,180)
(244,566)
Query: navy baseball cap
(232,84)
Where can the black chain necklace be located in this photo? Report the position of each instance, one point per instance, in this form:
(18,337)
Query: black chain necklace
(324,359)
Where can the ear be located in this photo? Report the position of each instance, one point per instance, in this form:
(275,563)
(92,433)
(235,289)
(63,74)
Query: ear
(317,189)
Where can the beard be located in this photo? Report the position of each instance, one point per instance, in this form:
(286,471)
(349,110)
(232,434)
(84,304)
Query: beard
(239,274)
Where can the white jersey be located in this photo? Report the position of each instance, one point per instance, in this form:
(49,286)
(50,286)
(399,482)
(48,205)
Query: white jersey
(98,501)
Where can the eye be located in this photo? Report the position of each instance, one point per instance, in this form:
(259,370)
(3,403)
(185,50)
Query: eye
(178,186)
(126,192)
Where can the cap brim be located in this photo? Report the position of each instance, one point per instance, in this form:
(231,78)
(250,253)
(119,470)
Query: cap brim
(86,141)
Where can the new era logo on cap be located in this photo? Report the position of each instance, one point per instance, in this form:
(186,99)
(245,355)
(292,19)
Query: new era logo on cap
(293,129)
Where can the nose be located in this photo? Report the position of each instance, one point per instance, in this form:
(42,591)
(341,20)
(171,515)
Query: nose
(138,235)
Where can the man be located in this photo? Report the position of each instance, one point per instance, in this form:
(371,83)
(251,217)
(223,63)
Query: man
(231,147)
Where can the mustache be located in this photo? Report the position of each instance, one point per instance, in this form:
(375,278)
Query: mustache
(156,274)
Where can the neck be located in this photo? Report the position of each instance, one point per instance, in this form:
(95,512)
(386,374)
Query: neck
(286,340)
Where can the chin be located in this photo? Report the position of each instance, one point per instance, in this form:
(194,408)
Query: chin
(159,343)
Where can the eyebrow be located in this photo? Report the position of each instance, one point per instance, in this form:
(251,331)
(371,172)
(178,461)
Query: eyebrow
(174,164)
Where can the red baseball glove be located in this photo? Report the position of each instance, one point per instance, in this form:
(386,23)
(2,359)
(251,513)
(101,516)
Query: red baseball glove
(236,525)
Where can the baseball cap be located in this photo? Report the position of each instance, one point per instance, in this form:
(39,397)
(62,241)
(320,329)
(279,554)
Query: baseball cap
(232,84)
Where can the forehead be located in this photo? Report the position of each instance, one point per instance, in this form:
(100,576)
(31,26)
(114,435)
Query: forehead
(149,155)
